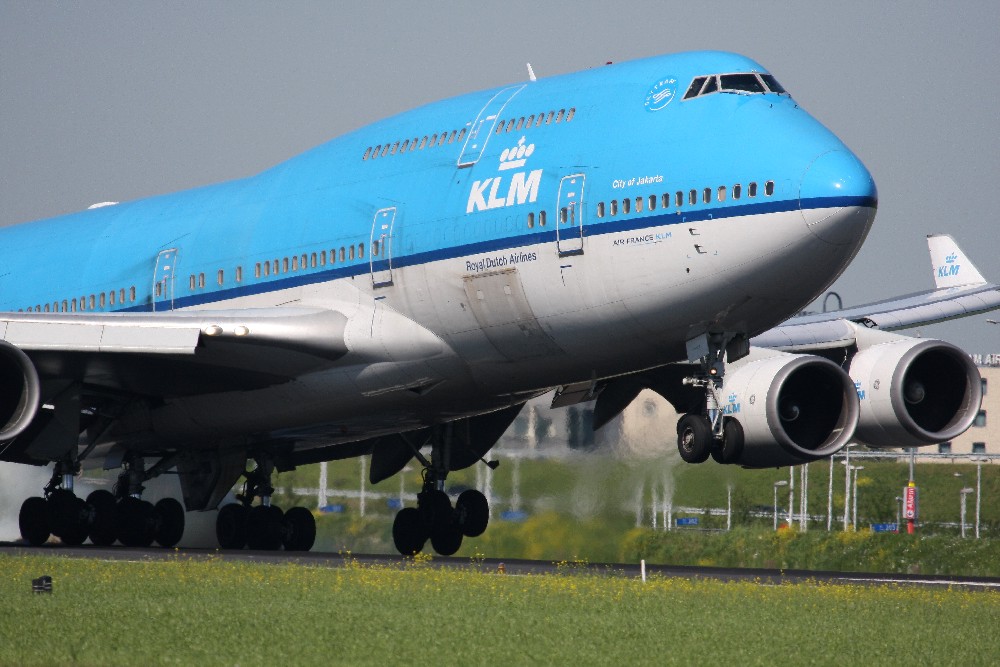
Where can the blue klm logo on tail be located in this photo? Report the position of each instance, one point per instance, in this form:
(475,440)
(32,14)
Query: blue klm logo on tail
(950,268)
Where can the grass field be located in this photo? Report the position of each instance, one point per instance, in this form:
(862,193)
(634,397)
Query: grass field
(224,613)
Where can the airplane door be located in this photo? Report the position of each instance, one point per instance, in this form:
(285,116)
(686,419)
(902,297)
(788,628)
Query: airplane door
(163,280)
(569,215)
(482,128)
(381,247)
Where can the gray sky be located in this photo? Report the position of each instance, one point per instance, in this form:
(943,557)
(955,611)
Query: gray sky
(121,100)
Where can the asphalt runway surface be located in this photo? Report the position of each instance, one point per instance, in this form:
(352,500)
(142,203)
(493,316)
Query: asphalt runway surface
(514,566)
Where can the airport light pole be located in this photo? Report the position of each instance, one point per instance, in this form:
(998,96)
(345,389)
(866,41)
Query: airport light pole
(791,494)
(776,485)
(964,493)
(847,483)
(899,511)
(979,485)
(854,499)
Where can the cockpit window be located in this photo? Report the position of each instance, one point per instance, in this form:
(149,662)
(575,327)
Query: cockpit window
(743,83)
(695,88)
(772,84)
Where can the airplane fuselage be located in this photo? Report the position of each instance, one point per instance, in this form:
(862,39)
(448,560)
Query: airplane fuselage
(534,235)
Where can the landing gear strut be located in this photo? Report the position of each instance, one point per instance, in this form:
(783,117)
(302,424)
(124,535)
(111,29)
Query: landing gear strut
(710,432)
(434,517)
(264,526)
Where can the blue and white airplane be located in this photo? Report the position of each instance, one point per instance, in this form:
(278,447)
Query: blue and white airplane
(402,290)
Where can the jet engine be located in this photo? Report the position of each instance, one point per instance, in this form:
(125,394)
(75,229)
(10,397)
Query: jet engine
(792,408)
(914,392)
(19,391)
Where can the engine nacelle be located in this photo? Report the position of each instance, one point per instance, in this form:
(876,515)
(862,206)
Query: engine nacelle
(914,392)
(793,408)
(19,391)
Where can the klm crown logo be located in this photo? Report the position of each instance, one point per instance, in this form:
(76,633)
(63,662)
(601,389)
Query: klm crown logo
(516,156)
(731,408)
(950,259)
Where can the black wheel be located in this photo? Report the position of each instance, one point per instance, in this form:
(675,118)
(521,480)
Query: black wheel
(104,521)
(69,517)
(136,522)
(231,526)
(408,531)
(731,447)
(473,513)
(436,508)
(264,527)
(300,529)
(694,438)
(34,521)
(447,542)
(169,522)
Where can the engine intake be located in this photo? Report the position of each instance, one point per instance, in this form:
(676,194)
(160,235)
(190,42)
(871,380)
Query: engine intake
(793,408)
(914,392)
(19,391)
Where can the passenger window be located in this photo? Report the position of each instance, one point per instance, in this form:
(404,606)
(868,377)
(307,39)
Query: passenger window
(693,197)
(121,295)
(520,123)
(570,114)
(769,188)
(541,218)
(275,270)
(638,204)
(361,251)
(191,284)
(538,121)
(548,119)
(722,193)
(343,254)
(451,137)
(239,274)
(104,299)
(665,200)
(385,150)
(72,306)
(432,141)
(402,149)
(679,199)
(461,135)
(46,308)
(531,119)
(531,218)
(284,265)
(444,137)
(295,263)
(500,127)
(510,125)
(313,261)
(614,207)
(322,258)
(131,293)
(374,248)
(626,206)
(367,153)
(559,117)
(201,280)
(706,195)
(423,142)
(222,277)
(394,147)
(256,270)
(737,191)
(752,190)
(351,249)
(600,209)
(563,215)
(111,297)
(652,202)
(375,152)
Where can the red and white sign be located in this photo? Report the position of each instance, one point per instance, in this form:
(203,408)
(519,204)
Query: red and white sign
(910,502)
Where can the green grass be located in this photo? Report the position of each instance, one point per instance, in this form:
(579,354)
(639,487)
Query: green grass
(224,613)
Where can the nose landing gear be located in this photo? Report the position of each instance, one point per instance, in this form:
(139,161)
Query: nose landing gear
(710,432)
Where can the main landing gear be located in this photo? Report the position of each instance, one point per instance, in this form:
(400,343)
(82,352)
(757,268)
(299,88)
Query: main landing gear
(434,517)
(710,432)
(264,526)
(102,517)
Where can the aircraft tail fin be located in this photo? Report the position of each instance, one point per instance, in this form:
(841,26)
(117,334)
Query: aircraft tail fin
(951,266)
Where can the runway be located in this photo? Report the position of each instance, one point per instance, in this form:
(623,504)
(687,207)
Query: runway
(515,566)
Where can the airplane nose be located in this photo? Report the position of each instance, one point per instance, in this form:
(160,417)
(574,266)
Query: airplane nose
(838,198)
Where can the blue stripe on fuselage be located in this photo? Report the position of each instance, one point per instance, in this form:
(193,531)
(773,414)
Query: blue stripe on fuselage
(507,243)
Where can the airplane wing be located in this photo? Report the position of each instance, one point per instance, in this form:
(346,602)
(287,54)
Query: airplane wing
(178,353)
(960,291)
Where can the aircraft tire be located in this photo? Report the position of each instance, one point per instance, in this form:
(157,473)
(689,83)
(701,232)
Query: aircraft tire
(436,506)
(231,526)
(694,438)
(408,531)
(473,512)
(300,529)
(104,525)
(264,527)
(33,519)
(447,542)
(170,522)
(136,522)
(68,517)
